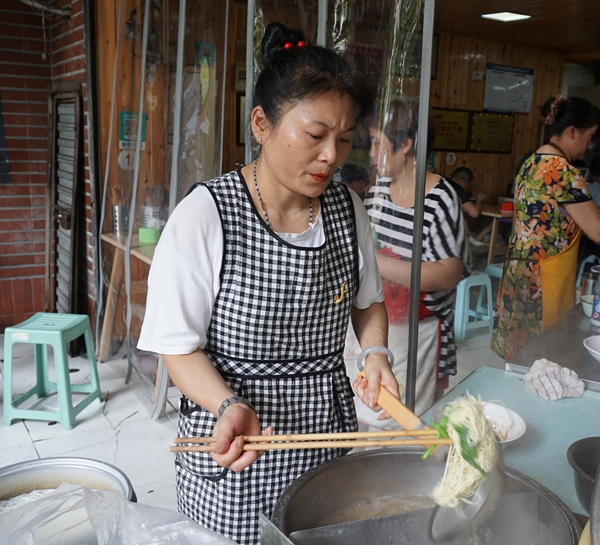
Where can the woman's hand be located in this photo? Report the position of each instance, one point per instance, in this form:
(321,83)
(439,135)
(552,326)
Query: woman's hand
(197,378)
(377,375)
(235,422)
(371,326)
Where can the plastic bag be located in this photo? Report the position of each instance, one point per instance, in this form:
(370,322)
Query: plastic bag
(74,515)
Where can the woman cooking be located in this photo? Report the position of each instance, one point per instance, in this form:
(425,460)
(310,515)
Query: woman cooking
(253,283)
(391,207)
(552,206)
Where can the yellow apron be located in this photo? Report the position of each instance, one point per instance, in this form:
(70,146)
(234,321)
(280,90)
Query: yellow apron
(559,274)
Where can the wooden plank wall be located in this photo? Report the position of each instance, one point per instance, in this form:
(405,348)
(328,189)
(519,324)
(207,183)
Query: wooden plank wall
(153,167)
(458,57)
(236,58)
(205,22)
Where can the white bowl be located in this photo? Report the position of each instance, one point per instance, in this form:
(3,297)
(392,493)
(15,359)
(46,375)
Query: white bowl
(587,303)
(592,345)
(507,424)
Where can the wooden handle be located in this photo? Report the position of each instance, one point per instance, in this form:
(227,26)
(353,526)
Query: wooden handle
(396,409)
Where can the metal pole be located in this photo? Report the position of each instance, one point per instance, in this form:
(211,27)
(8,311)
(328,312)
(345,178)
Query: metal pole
(177,109)
(136,178)
(322,24)
(415,278)
(223,94)
(106,174)
(249,78)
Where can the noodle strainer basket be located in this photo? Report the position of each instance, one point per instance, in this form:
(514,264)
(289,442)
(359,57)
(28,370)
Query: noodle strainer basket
(448,524)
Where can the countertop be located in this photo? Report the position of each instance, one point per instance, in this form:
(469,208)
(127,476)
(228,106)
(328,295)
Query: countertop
(552,426)
(563,344)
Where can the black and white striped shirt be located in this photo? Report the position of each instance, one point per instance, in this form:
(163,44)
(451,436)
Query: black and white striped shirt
(444,236)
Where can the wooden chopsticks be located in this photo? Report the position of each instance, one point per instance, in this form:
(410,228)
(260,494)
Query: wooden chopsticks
(425,438)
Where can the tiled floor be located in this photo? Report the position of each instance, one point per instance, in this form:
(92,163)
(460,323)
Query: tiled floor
(119,430)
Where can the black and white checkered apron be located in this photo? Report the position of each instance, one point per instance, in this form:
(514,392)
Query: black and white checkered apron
(277,337)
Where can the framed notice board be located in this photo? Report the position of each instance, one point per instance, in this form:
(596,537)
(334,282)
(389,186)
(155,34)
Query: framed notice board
(491,133)
(451,130)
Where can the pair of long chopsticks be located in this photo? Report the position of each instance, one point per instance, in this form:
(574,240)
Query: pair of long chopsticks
(424,438)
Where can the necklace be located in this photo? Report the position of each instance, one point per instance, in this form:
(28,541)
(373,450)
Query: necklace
(262,204)
(559,149)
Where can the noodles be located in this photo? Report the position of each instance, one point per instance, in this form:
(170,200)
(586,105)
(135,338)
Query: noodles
(474,453)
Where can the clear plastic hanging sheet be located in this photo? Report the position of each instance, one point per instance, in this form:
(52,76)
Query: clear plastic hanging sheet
(381,38)
(139,181)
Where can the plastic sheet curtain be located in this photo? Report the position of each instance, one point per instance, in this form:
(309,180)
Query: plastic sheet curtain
(138,170)
(385,40)
(382,38)
(145,178)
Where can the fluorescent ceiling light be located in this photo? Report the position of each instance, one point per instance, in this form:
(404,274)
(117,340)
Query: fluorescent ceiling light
(506,16)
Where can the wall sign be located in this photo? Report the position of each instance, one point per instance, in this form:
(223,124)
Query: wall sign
(125,159)
(508,88)
(451,130)
(128,129)
(491,132)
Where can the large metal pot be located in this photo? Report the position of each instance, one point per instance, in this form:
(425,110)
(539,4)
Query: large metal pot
(595,512)
(46,473)
(389,473)
(584,457)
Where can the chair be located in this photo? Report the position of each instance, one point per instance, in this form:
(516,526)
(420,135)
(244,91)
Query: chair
(56,330)
(482,314)
(495,269)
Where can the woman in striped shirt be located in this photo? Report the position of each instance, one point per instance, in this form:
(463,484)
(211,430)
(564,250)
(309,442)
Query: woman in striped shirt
(445,254)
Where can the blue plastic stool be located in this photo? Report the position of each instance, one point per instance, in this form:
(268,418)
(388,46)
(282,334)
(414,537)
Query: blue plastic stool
(482,314)
(56,330)
(495,269)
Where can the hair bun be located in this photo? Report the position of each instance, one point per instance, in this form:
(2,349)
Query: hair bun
(276,35)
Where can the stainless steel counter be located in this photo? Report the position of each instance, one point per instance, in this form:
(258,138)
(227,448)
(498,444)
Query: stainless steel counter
(563,344)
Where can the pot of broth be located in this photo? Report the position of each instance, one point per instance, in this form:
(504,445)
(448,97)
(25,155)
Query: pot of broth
(384,493)
(50,473)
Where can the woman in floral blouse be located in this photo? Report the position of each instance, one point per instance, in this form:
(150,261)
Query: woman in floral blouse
(552,205)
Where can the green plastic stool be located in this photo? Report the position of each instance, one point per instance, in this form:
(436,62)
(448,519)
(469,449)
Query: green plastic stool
(56,330)
(482,314)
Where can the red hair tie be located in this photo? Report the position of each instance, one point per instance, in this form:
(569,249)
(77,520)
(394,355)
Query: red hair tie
(289,45)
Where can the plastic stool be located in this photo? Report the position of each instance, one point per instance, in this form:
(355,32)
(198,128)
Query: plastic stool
(482,313)
(495,269)
(56,330)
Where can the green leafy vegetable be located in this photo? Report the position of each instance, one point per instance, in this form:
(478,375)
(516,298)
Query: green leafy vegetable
(469,452)
(441,433)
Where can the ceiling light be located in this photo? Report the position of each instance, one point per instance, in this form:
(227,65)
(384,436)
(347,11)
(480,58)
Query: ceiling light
(506,16)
